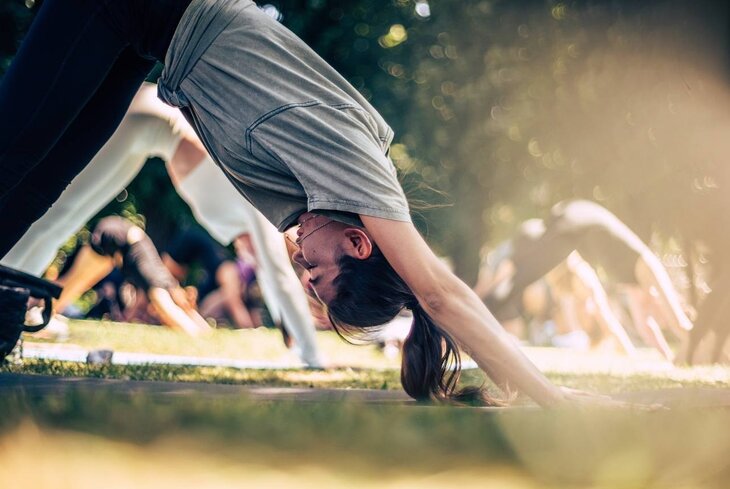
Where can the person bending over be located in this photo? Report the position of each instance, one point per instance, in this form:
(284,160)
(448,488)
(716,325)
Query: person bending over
(116,242)
(294,137)
(605,243)
(571,289)
(193,247)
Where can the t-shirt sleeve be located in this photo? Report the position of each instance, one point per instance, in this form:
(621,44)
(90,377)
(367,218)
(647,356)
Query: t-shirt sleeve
(336,154)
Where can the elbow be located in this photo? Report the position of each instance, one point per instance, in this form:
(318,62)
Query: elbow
(432,302)
(438,298)
(438,290)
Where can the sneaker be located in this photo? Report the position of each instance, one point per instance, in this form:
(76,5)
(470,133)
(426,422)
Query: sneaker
(56,330)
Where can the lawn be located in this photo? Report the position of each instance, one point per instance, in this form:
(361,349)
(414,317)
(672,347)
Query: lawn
(101,436)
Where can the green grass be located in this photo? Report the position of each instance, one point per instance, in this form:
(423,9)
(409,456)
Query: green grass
(353,366)
(81,437)
(355,444)
(260,344)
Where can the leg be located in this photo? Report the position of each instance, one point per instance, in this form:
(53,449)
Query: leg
(80,142)
(712,316)
(63,60)
(105,176)
(88,268)
(607,319)
(230,289)
(278,281)
(587,279)
(650,273)
(173,315)
(645,325)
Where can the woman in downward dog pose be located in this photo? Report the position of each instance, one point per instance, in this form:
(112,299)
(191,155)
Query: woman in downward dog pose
(295,139)
(587,237)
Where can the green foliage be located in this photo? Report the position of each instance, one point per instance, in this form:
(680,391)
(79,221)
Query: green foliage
(509,107)
(15,17)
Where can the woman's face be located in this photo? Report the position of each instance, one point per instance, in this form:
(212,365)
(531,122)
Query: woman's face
(322,242)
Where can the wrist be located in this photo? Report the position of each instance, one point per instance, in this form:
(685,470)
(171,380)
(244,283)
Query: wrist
(553,397)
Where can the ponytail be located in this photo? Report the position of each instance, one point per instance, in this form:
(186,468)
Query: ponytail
(431,364)
(369,294)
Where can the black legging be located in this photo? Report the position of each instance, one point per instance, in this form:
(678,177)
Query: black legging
(65,93)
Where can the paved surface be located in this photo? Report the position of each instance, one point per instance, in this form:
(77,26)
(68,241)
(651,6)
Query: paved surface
(690,397)
(555,360)
(72,353)
(46,384)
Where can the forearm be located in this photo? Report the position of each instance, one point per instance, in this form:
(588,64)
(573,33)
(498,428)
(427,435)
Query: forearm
(458,310)
(461,314)
(171,314)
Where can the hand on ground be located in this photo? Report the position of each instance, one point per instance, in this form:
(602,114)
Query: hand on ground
(580,398)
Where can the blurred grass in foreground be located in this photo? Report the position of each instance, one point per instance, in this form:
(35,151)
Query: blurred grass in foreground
(81,437)
(84,438)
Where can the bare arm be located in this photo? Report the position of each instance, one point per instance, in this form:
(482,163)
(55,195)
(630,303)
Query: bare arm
(458,310)
(173,315)
(231,290)
(188,155)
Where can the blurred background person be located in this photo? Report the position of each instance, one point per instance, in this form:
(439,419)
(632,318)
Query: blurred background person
(109,303)
(193,250)
(607,245)
(116,242)
(712,324)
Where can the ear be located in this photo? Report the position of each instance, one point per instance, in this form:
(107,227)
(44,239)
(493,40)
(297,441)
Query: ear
(359,243)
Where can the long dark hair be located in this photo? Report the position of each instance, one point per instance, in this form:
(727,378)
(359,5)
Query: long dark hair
(369,294)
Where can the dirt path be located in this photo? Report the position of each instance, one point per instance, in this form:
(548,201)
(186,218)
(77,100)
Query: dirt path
(46,384)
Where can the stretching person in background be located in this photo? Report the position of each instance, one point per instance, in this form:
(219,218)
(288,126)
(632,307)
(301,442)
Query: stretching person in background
(570,286)
(193,246)
(151,128)
(581,302)
(116,242)
(711,318)
(297,140)
(604,242)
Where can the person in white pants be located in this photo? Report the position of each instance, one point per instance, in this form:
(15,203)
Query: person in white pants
(152,129)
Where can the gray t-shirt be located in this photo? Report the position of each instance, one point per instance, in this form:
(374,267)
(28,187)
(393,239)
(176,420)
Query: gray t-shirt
(286,128)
